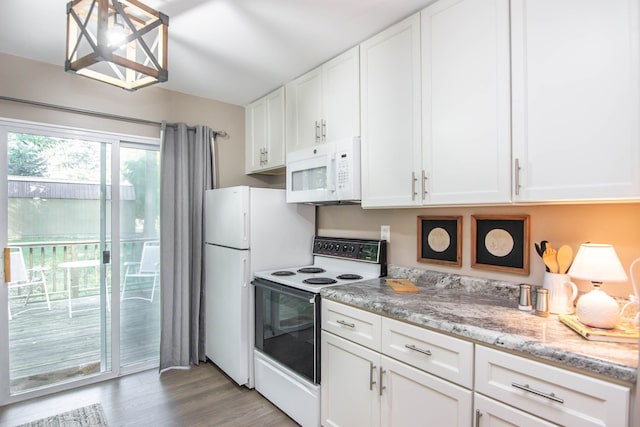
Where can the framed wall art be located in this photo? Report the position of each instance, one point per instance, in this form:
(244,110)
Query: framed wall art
(440,240)
(500,242)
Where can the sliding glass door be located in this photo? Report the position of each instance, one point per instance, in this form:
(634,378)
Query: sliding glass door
(81,213)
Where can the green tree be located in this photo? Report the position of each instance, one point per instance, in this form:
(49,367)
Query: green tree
(142,173)
(27,154)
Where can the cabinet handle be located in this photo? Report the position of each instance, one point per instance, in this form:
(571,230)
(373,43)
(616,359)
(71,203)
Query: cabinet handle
(528,389)
(348,325)
(419,350)
(324,130)
(317,131)
(424,185)
(478,415)
(372,368)
(382,387)
(413,186)
(517,176)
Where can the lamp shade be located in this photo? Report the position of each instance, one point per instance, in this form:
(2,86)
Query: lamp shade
(597,263)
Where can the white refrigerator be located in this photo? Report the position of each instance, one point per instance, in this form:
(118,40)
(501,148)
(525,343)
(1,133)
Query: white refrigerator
(247,229)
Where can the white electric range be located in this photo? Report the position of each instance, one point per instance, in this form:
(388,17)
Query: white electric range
(287,316)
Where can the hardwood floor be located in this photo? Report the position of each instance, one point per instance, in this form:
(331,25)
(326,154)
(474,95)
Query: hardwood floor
(201,396)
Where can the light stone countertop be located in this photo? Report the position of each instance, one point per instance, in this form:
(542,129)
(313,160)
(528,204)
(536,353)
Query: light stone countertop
(486,311)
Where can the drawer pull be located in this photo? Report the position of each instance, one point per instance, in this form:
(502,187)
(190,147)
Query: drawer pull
(419,350)
(348,325)
(372,368)
(537,393)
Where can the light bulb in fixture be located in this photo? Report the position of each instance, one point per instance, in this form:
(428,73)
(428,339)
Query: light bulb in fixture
(116,31)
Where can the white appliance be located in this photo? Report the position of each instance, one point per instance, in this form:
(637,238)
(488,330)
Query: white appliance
(327,173)
(246,229)
(287,318)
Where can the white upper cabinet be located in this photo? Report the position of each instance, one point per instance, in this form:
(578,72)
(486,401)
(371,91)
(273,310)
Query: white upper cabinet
(575,99)
(466,102)
(324,104)
(265,143)
(391,117)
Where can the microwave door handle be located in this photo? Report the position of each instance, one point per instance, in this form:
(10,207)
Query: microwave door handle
(331,184)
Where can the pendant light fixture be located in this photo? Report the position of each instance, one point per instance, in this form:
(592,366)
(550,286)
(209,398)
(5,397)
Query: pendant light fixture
(123,43)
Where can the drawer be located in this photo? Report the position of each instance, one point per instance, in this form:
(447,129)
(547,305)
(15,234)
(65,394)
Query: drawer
(447,357)
(351,323)
(555,394)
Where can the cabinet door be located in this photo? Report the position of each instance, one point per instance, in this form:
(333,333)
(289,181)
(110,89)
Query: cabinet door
(490,413)
(412,397)
(575,99)
(304,110)
(341,95)
(391,118)
(256,135)
(275,146)
(466,102)
(349,383)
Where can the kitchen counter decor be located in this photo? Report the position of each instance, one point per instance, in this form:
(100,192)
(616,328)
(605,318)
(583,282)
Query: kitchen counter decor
(485,311)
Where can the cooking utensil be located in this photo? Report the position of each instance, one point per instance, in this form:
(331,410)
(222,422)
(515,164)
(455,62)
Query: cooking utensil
(540,250)
(564,257)
(549,258)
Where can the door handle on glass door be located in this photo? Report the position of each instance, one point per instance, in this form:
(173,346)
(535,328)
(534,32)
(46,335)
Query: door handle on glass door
(7,265)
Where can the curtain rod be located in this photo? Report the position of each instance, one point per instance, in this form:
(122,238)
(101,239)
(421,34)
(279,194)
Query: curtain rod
(221,133)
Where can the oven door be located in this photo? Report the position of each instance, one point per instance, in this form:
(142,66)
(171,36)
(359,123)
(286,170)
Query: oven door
(287,328)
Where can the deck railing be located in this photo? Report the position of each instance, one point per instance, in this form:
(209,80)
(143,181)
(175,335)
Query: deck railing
(49,255)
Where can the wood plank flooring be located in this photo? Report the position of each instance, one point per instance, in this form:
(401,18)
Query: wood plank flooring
(199,397)
(47,346)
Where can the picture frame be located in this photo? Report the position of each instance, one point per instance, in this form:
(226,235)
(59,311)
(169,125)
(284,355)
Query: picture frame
(500,243)
(440,240)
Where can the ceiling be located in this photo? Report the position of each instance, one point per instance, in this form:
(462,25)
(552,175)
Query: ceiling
(229,50)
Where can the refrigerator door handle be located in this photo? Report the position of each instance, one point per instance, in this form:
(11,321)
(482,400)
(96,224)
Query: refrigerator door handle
(244,273)
(245,226)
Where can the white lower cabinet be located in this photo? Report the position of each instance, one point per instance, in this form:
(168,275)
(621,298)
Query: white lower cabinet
(362,387)
(411,397)
(349,390)
(554,394)
(491,413)
(378,371)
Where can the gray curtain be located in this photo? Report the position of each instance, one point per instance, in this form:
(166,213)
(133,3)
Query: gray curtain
(186,158)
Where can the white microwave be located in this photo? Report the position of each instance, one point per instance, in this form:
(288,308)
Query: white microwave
(327,173)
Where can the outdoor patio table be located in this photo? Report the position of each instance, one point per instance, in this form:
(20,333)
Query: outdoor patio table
(69,265)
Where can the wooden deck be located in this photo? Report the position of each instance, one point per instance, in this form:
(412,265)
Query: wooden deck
(46,346)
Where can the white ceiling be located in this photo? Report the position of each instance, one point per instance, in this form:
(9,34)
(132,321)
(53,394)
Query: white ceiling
(229,50)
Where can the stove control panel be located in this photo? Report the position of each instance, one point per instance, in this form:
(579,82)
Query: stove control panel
(374,251)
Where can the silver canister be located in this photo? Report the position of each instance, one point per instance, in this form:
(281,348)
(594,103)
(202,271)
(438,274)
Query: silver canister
(524,302)
(542,302)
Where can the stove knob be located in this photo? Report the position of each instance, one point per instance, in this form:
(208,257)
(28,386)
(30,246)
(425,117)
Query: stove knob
(344,248)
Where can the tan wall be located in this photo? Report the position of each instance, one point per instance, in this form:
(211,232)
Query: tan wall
(36,81)
(618,224)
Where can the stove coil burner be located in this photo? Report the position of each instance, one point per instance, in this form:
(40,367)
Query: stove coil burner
(319,281)
(283,273)
(349,276)
(311,270)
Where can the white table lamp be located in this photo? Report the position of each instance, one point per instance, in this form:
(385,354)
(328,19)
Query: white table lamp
(597,263)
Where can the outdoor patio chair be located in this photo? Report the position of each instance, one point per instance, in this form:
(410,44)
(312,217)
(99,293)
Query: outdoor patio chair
(25,281)
(147,268)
